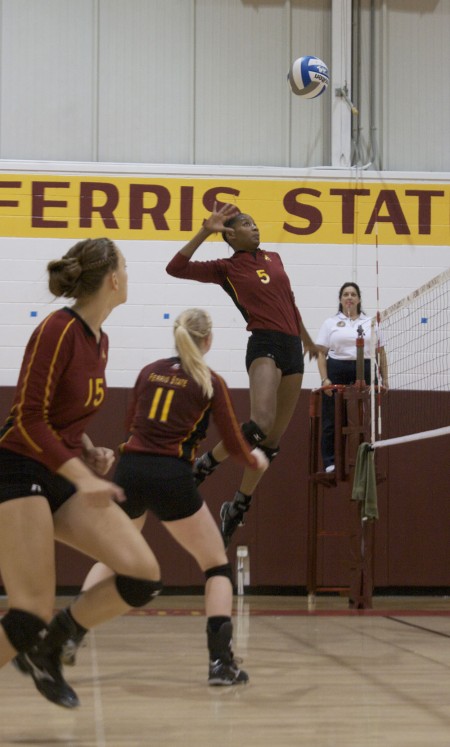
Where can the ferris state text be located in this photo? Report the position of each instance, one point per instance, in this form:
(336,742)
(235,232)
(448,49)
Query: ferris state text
(57,204)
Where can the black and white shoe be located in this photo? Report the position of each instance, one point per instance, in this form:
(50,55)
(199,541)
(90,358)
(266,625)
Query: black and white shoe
(221,673)
(69,649)
(230,520)
(46,671)
(223,667)
(232,515)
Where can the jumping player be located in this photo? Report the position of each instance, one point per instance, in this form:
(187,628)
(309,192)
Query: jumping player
(259,286)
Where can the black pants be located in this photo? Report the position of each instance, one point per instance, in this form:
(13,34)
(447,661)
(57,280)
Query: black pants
(339,372)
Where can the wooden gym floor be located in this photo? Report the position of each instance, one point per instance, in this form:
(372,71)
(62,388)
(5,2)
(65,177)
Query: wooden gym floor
(323,677)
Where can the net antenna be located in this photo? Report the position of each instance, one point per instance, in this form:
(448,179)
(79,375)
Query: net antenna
(414,336)
(375,344)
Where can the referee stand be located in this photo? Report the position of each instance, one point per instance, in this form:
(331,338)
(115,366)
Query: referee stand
(352,428)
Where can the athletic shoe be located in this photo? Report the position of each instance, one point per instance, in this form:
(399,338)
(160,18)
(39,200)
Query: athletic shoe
(45,670)
(19,663)
(221,673)
(202,468)
(65,636)
(230,519)
(223,667)
(69,650)
(232,515)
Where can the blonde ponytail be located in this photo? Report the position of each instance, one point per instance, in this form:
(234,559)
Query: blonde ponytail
(190,328)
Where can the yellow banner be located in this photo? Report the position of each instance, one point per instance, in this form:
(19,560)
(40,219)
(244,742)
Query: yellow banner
(171,209)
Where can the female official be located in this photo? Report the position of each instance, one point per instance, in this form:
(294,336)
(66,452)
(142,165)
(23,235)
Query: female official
(172,403)
(259,286)
(50,475)
(336,343)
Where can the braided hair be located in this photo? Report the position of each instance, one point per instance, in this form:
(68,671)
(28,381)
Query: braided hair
(80,272)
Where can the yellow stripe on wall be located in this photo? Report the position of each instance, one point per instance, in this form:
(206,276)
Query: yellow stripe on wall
(170,209)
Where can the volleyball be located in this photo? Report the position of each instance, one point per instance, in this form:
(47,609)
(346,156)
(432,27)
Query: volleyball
(308,77)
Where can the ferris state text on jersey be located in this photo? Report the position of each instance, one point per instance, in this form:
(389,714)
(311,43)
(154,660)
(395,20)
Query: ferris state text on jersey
(169,414)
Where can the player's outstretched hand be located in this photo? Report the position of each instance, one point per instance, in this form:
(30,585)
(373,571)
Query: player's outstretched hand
(219,216)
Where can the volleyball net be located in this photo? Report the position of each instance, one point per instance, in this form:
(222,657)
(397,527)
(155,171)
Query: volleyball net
(414,335)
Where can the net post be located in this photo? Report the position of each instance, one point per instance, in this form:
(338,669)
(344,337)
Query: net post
(339,436)
(372,383)
(357,399)
(315,400)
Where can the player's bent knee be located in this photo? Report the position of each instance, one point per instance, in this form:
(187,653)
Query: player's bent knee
(137,591)
(23,629)
(270,452)
(252,433)
(220,570)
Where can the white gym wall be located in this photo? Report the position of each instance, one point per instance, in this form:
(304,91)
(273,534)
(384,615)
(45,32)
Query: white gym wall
(107,87)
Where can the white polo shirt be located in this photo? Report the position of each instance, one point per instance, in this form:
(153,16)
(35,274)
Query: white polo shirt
(339,334)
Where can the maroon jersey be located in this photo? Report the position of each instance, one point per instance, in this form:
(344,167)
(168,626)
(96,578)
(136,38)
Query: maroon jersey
(169,414)
(61,385)
(256,282)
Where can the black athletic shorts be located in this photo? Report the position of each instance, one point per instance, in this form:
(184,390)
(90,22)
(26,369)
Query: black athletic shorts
(161,484)
(21,477)
(285,350)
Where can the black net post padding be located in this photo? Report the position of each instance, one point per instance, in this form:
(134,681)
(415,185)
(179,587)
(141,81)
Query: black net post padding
(315,407)
(361,544)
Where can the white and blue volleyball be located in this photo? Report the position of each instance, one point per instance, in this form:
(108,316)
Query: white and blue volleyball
(308,77)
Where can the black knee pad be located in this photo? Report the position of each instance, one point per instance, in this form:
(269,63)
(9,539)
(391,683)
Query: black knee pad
(270,452)
(137,591)
(252,433)
(220,570)
(23,629)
